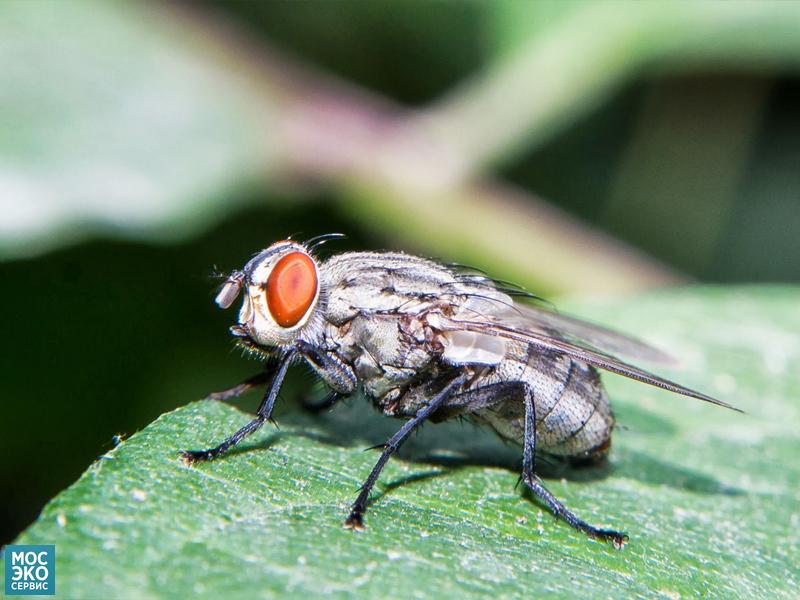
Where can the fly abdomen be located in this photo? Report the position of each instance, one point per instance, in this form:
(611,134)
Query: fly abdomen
(573,416)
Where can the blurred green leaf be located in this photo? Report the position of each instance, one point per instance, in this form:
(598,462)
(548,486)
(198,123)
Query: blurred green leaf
(556,61)
(516,22)
(148,120)
(114,120)
(708,496)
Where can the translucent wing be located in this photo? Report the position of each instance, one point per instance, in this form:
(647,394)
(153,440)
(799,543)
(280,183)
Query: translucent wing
(582,332)
(482,321)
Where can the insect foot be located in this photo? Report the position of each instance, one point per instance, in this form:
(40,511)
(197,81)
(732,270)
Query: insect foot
(617,538)
(190,457)
(354,521)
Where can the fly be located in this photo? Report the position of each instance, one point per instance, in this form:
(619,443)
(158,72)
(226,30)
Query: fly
(428,342)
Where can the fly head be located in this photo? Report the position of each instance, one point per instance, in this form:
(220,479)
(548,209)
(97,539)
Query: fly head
(281,291)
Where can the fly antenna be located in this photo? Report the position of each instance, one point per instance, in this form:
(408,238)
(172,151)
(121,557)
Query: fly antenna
(230,290)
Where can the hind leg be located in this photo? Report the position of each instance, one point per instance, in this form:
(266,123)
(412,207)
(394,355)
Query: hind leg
(536,485)
(492,395)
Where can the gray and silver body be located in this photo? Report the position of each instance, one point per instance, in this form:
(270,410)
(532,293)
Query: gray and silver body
(427,341)
(389,318)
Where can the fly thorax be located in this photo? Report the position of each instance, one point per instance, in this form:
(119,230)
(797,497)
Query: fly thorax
(385,345)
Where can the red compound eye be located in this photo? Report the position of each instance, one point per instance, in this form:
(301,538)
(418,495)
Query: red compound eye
(291,288)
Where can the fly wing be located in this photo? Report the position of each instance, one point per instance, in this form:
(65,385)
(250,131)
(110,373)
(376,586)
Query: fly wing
(581,332)
(550,331)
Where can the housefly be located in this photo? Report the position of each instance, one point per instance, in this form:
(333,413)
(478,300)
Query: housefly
(426,341)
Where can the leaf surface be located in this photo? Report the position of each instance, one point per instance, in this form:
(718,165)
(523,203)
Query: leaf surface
(709,497)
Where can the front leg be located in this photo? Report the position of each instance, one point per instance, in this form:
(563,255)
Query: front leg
(264,413)
(333,370)
(356,518)
(330,400)
(247,385)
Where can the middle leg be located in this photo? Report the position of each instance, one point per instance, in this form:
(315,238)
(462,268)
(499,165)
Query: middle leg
(356,518)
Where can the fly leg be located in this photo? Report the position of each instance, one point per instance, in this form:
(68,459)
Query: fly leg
(245,386)
(356,518)
(264,413)
(318,406)
(478,398)
(330,367)
(491,395)
(537,486)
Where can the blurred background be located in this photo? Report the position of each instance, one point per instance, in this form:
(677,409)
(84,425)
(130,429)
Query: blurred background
(576,148)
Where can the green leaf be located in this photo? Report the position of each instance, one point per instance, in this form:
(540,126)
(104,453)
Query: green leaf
(708,496)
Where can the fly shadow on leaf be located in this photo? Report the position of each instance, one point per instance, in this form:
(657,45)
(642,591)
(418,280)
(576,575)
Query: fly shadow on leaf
(460,443)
